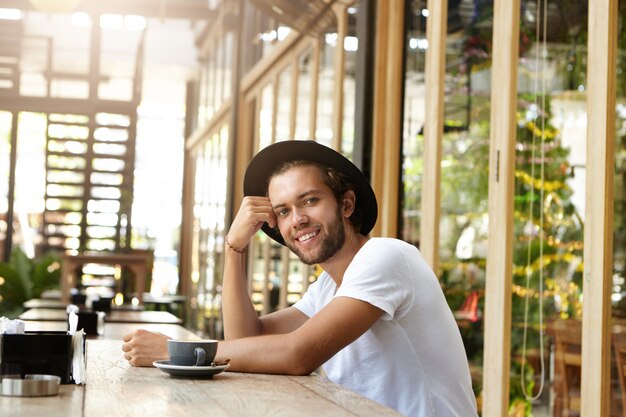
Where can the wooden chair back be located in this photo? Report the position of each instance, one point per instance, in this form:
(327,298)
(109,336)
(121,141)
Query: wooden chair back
(619,346)
(567,364)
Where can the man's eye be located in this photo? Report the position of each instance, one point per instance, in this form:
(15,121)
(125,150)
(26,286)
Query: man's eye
(310,200)
(281,213)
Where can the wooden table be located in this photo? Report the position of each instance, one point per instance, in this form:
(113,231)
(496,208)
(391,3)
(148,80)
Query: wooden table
(60,305)
(115,388)
(137,262)
(116,331)
(160,302)
(115,316)
(167,302)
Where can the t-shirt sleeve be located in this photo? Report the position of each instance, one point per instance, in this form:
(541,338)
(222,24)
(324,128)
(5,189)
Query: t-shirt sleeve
(306,304)
(379,275)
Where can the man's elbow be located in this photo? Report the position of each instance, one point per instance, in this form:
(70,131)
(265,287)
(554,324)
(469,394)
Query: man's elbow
(303,368)
(302,362)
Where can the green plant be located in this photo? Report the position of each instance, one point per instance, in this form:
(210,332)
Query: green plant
(22,279)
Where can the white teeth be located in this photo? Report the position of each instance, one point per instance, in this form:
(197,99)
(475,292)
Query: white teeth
(306,237)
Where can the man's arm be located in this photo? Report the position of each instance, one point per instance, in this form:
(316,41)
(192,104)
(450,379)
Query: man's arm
(304,349)
(298,345)
(142,348)
(240,318)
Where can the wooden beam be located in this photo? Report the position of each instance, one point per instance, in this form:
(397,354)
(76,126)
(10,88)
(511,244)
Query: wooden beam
(497,351)
(186,233)
(380,98)
(65,105)
(339,68)
(386,144)
(293,97)
(598,252)
(315,73)
(435,71)
(188,198)
(253,77)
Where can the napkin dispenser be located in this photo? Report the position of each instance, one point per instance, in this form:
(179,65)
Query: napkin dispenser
(92,322)
(102,304)
(37,353)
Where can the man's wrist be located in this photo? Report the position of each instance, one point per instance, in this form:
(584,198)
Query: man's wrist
(231,247)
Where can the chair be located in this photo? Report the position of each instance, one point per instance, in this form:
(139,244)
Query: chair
(619,346)
(567,366)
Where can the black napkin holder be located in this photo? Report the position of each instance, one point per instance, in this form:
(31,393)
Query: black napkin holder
(79,299)
(102,304)
(47,353)
(88,321)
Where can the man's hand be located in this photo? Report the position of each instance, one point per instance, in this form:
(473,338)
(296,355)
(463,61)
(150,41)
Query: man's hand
(254,211)
(142,347)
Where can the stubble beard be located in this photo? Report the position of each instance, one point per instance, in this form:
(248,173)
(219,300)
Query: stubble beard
(330,245)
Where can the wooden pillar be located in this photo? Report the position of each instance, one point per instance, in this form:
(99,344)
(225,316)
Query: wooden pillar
(380,98)
(339,68)
(186,232)
(386,143)
(497,351)
(598,252)
(436,29)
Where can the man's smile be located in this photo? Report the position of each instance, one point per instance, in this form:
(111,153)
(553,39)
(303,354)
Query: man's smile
(307,236)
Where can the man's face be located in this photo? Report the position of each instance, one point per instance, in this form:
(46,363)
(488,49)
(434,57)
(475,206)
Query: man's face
(308,215)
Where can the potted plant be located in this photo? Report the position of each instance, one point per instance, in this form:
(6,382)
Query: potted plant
(22,279)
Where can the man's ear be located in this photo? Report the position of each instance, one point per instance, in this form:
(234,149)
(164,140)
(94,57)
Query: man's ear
(349,202)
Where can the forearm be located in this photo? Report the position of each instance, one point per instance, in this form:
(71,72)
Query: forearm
(270,354)
(304,349)
(240,318)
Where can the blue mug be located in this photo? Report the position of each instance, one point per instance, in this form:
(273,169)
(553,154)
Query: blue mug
(192,352)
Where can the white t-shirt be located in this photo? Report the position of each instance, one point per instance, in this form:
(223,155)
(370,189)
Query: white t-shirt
(412,359)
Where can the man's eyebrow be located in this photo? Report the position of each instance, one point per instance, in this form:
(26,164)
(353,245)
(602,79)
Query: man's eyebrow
(300,196)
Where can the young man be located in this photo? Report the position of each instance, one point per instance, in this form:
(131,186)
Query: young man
(376,319)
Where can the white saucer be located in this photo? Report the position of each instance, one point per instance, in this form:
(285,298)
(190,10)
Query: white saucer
(196,371)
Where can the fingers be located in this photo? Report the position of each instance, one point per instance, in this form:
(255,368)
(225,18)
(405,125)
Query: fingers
(271,221)
(128,342)
(142,348)
(127,347)
(254,211)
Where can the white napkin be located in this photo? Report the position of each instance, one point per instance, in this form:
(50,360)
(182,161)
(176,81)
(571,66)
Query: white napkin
(78,357)
(72,318)
(8,326)
(78,354)
(72,307)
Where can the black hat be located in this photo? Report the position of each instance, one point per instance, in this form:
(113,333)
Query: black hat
(271,157)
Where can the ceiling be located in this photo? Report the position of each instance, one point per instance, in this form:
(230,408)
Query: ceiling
(169,29)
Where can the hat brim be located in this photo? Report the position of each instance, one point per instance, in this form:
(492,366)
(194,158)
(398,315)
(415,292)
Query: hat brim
(269,158)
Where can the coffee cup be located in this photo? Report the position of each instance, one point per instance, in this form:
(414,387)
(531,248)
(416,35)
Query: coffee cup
(192,352)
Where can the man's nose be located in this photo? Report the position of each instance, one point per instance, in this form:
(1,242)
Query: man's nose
(299,217)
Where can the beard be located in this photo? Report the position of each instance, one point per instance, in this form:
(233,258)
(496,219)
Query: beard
(330,245)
